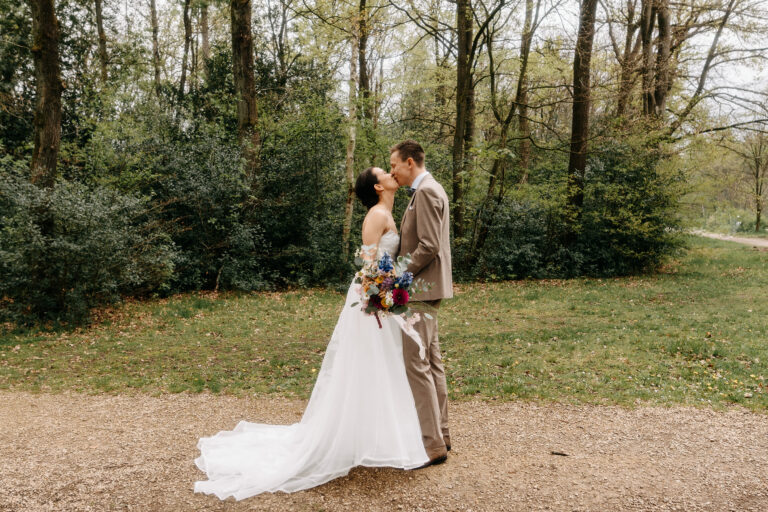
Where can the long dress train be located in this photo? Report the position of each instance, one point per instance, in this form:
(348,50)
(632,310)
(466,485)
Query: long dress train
(361,413)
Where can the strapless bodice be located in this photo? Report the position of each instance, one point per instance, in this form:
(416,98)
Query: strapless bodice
(390,243)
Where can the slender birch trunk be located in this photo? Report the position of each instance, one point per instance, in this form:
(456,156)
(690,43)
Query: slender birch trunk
(664,45)
(350,161)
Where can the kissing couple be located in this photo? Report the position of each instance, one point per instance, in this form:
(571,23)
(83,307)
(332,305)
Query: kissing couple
(376,401)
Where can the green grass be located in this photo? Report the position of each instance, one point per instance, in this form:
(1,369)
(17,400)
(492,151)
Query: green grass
(695,333)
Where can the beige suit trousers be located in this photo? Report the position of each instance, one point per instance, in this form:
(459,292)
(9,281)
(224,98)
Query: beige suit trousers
(427,380)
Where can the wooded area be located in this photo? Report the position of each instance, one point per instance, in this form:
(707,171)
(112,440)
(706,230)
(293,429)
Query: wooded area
(167,145)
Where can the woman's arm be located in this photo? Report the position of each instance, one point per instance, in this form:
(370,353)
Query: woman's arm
(374,225)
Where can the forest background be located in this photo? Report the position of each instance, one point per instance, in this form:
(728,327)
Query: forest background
(154,147)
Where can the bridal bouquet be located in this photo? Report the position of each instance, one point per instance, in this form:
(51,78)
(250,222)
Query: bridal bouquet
(386,287)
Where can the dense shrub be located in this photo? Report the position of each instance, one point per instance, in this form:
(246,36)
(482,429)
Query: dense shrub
(201,193)
(301,202)
(280,226)
(65,250)
(517,242)
(748,226)
(628,223)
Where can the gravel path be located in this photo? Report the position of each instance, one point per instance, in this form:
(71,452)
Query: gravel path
(70,452)
(754,242)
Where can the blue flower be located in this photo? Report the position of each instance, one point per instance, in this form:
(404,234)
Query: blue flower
(385,263)
(405,280)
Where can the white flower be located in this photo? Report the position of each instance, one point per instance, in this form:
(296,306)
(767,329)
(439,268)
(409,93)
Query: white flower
(412,320)
(388,300)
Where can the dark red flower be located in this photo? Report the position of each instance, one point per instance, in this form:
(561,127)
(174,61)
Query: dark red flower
(376,301)
(400,297)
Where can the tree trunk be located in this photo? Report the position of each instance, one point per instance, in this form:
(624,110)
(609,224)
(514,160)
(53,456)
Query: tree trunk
(463,91)
(664,45)
(627,62)
(279,27)
(469,132)
(245,83)
(362,51)
(580,124)
(102,41)
(521,96)
(206,45)
(350,161)
(760,161)
(194,49)
(155,44)
(483,221)
(187,41)
(47,117)
(760,165)
(376,106)
(647,19)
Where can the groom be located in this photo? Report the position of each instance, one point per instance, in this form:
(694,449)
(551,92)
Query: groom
(425,235)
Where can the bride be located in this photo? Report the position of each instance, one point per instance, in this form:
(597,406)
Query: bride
(361,412)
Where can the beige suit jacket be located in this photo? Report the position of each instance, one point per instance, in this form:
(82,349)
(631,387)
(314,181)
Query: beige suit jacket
(425,235)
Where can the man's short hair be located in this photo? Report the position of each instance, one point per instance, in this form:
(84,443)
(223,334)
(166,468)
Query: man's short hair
(409,149)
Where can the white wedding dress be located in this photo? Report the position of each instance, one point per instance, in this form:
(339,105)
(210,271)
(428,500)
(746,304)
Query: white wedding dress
(361,413)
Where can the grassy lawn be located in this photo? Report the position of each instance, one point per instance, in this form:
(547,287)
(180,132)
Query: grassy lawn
(696,333)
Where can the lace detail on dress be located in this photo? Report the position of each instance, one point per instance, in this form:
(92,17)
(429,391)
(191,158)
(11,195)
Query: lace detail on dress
(389,243)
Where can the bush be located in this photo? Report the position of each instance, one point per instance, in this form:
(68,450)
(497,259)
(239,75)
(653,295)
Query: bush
(628,223)
(203,196)
(281,227)
(517,242)
(70,248)
(301,197)
(748,226)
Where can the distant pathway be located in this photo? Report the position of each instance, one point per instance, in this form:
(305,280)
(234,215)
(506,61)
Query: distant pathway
(73,452)
(754,242)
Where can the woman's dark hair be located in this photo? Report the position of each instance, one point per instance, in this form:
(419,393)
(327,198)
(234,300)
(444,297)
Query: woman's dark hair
(364,188)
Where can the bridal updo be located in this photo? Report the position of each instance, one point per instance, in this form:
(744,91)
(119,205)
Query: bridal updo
(364,187)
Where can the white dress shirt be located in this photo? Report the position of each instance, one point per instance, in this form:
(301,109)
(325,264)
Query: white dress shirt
(418,180)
